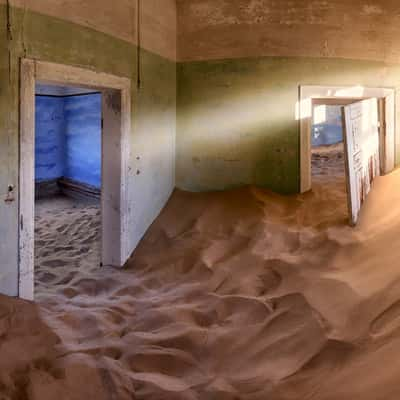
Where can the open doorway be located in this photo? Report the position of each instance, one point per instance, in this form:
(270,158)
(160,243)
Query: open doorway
(68,181)
(328,166)
(327,144)
(367,127)
(308,113)
(72,182)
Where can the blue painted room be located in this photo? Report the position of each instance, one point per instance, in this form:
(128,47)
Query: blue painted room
(68,156)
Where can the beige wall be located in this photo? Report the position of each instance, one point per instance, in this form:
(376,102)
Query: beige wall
(356,29)
(117,18)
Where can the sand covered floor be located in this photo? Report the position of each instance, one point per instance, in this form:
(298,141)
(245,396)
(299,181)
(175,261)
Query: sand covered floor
(67,242)
(327,164)
(238,295)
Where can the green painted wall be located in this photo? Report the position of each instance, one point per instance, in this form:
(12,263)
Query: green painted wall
(153,113)
(236,118)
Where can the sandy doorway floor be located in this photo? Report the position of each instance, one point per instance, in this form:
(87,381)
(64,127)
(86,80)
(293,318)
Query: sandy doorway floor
(329,178)
(67,240)
(327,163)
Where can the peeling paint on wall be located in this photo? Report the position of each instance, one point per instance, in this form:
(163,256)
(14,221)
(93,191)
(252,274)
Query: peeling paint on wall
(224,29)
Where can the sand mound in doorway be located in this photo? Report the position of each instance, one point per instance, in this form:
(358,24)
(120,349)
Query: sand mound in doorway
(237,295)
(67,235)
(327,163)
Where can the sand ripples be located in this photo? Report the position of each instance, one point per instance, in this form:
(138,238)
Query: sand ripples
(244,295)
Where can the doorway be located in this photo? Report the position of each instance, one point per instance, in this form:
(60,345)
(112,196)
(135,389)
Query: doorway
(115,129)
(313,96)
(327,143)
(68,181)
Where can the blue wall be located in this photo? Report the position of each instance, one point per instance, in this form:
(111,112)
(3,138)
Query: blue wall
(50,146)
(330,131)
(68,138)
(83,139)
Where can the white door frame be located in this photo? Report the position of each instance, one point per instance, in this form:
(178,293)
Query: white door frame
(114,205)
(309,93)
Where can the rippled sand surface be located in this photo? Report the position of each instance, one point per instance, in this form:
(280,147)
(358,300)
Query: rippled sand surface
(244,294)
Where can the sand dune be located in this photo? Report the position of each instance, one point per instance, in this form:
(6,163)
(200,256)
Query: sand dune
(238,295)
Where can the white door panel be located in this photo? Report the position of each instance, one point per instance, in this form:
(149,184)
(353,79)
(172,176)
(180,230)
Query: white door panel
(361,136)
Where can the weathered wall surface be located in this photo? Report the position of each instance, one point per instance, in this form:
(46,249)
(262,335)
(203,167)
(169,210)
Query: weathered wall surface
(82,129)
(68,138)
(8,170)
(220,29)
(241,65)
(89,44)
(117,18)
(49,138)
(237,118)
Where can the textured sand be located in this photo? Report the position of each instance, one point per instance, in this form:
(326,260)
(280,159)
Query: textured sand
(237,295)
(327,164)
(67,243)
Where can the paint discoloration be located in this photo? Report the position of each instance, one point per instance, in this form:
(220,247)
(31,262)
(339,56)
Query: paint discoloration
(372,9)
(238,82)
(245,110)
(220,29)
(116,18)
(82,132)
(113,100)
(49,138)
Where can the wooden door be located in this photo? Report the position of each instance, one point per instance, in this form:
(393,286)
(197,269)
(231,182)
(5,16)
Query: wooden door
(362,150)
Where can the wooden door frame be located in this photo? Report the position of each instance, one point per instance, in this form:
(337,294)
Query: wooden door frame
(310,93)
(52,73)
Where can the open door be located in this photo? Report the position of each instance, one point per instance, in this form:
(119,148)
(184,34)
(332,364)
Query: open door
(362,152)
